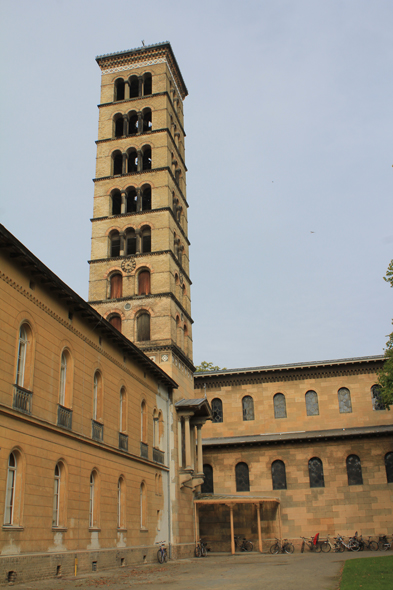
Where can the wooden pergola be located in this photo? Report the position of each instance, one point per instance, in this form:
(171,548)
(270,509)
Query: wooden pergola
(231,501)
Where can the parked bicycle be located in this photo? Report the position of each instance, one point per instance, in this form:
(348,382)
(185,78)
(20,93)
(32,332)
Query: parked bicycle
(283,546)
(384,544)
(242,544)
(367,545)
(200,549)
(162,554)
(352,545)
(313,544)
(327,545)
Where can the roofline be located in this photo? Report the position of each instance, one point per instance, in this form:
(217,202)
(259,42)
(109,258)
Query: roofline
(286,367)
(145,49)
(38,268)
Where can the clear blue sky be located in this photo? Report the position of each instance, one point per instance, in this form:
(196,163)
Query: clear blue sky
(289,132)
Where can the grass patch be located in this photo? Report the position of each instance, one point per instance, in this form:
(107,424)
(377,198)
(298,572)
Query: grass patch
(372,573)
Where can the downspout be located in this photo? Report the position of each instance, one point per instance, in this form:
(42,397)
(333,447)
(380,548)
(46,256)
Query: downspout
(168,445)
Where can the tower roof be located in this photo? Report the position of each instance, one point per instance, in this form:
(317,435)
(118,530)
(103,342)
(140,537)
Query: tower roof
(148,54)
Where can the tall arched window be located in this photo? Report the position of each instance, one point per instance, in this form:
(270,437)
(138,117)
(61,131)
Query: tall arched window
(217,410)
(134,87)
(132,201)
(65,379)
(132,123)
(56,497)
(146,113)
(121,504)
(9,512)
(132,160)
(248,407)
(123,411)
(208,486)
(143,422)
(92,504)
(312,406)
(147,84)
(143,327)
(389,467)
(377,398)
(143,505)
(242,478)
(130,241)
(116,286)
(97,397)
(23,364)
(117,163)
(144,282)
(146,198)
(119,89)
(354,471)
(146,158)
(116,202)
(114,241)
(344,400)
(315,472)
(279,477)
(280,407)
(146,239)
(115,321)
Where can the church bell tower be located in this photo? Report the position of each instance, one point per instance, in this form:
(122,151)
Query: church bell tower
(139,267)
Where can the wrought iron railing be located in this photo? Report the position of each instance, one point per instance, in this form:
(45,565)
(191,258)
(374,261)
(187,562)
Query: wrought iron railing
(144,450)
(97,431)
(22,399)
(158,456)
(123,441)
(64,417)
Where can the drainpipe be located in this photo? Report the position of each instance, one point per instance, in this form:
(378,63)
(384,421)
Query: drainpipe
(168,446)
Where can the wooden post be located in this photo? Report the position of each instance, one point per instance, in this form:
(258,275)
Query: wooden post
(232,531)
(259,527)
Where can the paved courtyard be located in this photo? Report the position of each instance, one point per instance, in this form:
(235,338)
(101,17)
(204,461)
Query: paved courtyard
(250,571)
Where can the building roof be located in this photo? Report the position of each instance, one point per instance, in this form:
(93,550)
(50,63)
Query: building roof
(37,270)
(199,406)
(301,435)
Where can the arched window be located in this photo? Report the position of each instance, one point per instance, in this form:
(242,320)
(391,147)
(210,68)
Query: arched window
(97,397)
(65,379)
(130,241)
(146,239)
(354,471)
(312,406)
(147,84)
(116,286)
(143,327)
(119,89)
(242,478)
(143,505)
(217,410)
(315,472)
(144,282)
(280,407)
(114,241)
(116,202)
(279,477)
(23,364)
(56,497)
(134,87)
(115,321)
(132,160)
(93,505)
(132,123)
(248,408)
(123,411)
(389,467)
(117,159)
(146,199)
(118,125)
(376,397)
(146,113)
(121,504)
(146,158)
(143,423)
(207,486)
(9,513)
(132,200)
(344,400)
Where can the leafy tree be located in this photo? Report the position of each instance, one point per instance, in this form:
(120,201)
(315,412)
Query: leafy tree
(386,374)
(204,366)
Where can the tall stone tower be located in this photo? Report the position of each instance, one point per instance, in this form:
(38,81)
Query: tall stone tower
(139,267)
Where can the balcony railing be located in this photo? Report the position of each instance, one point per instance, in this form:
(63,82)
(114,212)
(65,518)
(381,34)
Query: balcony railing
(144,450)
(97,431)
(64,417)
(158,456)
(22,399)
(123,441)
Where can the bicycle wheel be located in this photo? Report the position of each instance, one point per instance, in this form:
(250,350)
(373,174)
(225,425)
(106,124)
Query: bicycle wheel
(302,547)
(274,549)
(289,548)
(203,551)
(247,546)
(383,546)
(318,548)
(325,547)
(160,556)
(353,545)
(197,551)
(373,546)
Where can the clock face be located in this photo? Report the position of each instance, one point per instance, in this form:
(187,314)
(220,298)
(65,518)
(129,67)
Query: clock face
(128,265)
(164,357)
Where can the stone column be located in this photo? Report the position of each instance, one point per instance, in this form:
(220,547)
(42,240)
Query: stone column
(188,441)
(125,125)
(122,243)
(140,160)
(140,87)
(192,445)
(123,202)
(138,240)
(126,90)
(140,122)
(139,199)
(124,164)
(199,423)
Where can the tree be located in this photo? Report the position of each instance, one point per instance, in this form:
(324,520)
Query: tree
(204,366)
(385,377)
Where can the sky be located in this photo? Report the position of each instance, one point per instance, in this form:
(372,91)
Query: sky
(288,149)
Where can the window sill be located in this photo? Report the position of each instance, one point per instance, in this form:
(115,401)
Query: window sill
(94,529)
(144,530)
(59,529)
(12,527)
(121,530)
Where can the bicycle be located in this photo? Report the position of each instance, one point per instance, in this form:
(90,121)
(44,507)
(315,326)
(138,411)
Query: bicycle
(313,544)
(368,545)
(200,549)
(352,545)
(384,544)
(327,545)
(281,547)
(162,554)
(242,544)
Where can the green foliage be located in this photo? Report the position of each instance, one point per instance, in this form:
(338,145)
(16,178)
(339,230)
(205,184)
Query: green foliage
(370,573)
(385,377)
(204,366)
